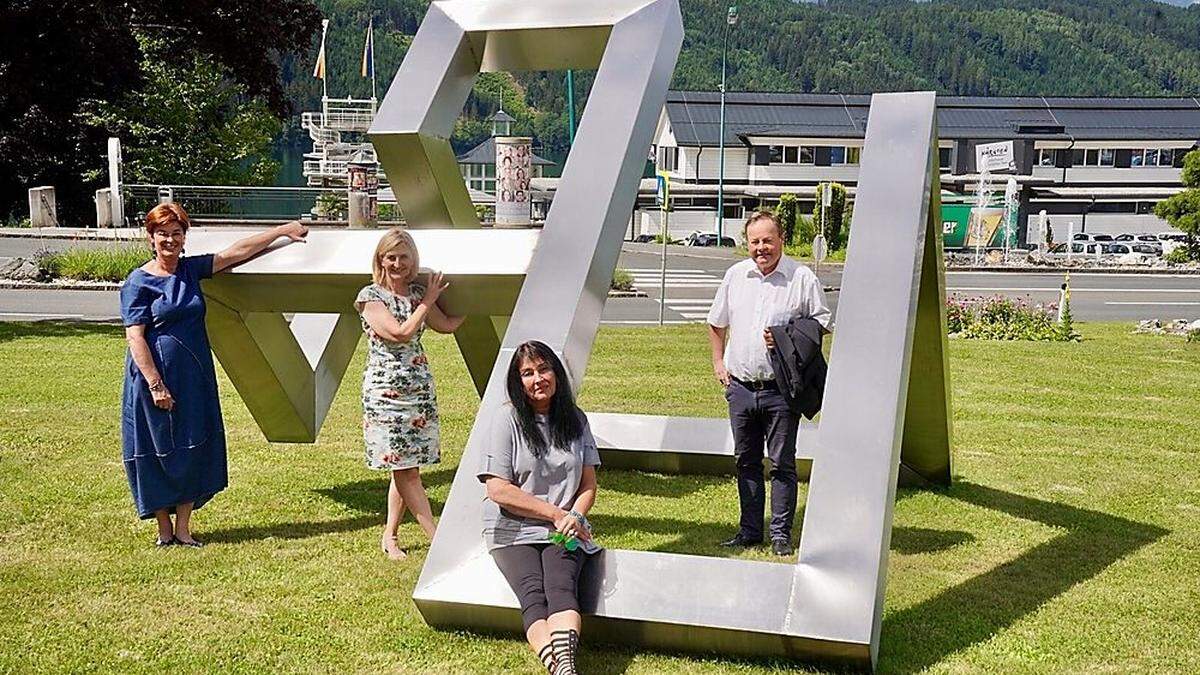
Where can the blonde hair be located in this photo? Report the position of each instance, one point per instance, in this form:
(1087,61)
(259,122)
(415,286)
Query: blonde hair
(391,240)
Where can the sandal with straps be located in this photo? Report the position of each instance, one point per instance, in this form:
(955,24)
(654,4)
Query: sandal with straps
(399,553)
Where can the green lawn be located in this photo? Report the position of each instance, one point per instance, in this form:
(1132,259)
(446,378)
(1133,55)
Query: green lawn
(1068,543)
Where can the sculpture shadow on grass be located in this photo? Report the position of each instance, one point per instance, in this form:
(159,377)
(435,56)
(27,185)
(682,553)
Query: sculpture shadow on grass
(914,638)
(973,611)
(367,496)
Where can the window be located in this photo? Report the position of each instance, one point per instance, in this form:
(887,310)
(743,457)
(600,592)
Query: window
(808,154)
(1046,157)
(789,154)
(1094,157)
(1153,157)
(668,158)
(776,154)
(837,155)
(944,158)
(853,155)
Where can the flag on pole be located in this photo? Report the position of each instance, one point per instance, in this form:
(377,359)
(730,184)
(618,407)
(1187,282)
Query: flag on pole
(368,57)
(319,69)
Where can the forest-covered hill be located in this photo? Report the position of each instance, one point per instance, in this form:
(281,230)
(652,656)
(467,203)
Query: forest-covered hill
(979,47)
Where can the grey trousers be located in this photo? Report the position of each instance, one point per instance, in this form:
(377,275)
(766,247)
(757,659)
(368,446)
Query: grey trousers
(762,419)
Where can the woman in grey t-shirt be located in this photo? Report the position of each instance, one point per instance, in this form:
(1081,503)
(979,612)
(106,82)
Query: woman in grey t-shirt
(540,471)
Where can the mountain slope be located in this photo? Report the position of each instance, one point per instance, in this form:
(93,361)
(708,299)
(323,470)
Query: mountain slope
(970,47)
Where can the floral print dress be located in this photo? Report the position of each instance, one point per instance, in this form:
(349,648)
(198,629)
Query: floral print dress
(400,418)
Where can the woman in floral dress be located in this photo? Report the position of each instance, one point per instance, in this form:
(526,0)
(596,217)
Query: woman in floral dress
(400,417)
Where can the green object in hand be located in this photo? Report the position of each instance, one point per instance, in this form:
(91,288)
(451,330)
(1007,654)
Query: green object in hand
(569,543)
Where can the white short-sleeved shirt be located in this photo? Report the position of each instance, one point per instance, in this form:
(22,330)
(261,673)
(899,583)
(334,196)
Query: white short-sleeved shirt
(747,303)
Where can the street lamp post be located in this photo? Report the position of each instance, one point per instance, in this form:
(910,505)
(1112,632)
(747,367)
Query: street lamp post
(731,18)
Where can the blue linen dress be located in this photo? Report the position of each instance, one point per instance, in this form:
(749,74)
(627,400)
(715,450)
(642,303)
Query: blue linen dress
(172,457)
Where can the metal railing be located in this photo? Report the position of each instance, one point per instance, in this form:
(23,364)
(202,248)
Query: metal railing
(229,202)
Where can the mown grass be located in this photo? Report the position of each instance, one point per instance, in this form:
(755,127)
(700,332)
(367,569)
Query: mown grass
(96,264)
(1068,543)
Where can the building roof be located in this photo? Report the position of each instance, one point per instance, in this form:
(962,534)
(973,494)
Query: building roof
(485,153)
(502,116)
(695,117)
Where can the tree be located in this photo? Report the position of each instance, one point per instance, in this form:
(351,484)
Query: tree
(56,54)
(788,213)
(190,124)
(1183,210)
(834,215)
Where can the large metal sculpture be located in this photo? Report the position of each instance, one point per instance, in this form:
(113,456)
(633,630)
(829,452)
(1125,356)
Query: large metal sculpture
(886,414)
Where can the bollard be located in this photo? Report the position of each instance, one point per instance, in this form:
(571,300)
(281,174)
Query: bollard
(104,208)
(43,210)
(362,190)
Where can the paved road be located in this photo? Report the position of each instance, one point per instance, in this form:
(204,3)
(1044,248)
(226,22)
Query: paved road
(691,281)
(693,276)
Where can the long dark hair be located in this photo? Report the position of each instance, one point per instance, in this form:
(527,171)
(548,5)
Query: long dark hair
(565,423)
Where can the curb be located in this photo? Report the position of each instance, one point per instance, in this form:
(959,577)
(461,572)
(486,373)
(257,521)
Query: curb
(108,286)
(60,285)
(1187,271)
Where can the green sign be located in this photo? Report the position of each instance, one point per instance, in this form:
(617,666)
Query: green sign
(965,226)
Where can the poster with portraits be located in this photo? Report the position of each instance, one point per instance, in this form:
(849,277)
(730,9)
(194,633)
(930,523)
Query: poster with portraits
(514,164)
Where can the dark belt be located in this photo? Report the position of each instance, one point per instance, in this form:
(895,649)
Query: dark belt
(760,385)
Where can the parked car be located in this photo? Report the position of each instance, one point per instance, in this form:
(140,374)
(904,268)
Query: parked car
(645,238)
(1079,247)
(708,239)
(1088,236)
(1117,248)
(1148,238)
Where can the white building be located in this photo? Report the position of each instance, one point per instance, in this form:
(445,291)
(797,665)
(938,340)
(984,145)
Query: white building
(1100,163)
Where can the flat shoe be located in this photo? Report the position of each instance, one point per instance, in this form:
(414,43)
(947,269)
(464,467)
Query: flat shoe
(190,544)
(159,543)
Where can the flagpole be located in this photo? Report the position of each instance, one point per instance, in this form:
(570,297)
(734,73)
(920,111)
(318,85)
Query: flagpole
(323,64)
(371,30)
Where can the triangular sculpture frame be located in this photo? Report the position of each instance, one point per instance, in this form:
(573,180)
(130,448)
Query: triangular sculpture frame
(886,415)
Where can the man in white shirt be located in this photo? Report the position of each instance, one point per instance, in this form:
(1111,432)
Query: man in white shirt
(766,290)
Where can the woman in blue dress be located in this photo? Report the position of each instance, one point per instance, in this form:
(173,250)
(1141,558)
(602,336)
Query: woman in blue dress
(172,434)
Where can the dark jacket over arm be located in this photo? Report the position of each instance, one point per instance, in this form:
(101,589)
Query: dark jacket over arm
(799,365)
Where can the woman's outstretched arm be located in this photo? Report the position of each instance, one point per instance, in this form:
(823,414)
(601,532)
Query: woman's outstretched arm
(248,247)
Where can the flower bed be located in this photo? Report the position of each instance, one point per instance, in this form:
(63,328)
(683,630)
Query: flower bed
(1000,318)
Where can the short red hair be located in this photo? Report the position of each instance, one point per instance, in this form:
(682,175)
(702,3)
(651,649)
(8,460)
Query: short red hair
(167,214)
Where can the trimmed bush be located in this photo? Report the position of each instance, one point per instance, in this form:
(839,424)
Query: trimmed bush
(622,281)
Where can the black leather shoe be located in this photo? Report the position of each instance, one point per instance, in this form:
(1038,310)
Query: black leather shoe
(739,540)
(781,547)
